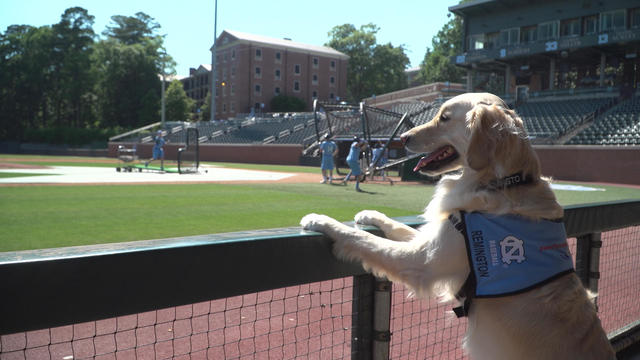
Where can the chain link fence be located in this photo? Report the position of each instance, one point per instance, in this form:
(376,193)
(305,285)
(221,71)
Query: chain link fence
(313,320)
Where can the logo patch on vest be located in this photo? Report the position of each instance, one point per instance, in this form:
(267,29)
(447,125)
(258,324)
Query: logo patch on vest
(509,253)
(512,249)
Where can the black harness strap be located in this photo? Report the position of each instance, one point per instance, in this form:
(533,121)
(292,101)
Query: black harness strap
(465,294)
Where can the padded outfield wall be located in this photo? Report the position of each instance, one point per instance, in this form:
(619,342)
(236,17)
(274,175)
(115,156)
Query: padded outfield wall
(612,164)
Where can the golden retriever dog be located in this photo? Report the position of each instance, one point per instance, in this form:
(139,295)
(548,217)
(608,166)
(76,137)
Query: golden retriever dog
(498,175)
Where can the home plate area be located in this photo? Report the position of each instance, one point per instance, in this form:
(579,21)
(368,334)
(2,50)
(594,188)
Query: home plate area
(79,175)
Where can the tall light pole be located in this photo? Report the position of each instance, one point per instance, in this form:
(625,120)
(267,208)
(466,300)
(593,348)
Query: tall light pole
(213,63)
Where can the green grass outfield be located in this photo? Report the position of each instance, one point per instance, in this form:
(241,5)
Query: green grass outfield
(33,217)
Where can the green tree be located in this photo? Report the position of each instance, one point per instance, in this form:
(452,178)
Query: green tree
(128,84)
(25,79)
(72,79)
(437,65)
(129,62)
(205,109)
(373,68)
(178,104)
(131,30)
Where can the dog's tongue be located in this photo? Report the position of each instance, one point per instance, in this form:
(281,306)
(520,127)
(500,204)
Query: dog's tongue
(425,160)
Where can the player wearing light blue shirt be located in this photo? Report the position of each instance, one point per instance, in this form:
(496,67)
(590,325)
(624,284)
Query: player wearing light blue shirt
(353,160)
(158,149)
(329,149)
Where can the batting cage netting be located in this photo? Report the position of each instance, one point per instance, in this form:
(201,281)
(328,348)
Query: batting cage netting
(379,127)
(189,156)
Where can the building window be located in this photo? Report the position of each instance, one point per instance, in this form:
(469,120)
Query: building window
(233,71)
(314,95)
(225,57)
(528,34)
(276,91)
(634,18)
(296,69)
(315,62)
(590,25)
(296,86)
(332,81)
(476,42)
(612,20)
(314,79)
(258,54)
(233,54)
(224,107)
(570,27)
(232,89)
(491,40)
(278,57)
(332,65)
(277,74)
(224,74)
(548,30)
(332,96)
(258,73)
(509,37)
(233,107)
(258,89)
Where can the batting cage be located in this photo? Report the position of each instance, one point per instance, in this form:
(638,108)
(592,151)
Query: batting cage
(189,156)
(380,128)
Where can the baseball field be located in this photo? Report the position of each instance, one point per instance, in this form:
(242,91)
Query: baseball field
(38,212)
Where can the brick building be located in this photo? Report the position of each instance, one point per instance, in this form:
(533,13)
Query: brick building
(196,85)
(252,69)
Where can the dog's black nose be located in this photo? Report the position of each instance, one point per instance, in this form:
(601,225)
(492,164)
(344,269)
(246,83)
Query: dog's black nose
(405,139)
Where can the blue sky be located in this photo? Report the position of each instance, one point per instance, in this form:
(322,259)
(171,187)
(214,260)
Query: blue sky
(188,24)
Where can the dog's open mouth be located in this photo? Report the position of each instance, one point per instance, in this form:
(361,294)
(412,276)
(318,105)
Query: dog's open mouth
(437,159)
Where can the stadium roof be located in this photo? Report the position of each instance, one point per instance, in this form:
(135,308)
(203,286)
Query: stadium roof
(278,43)
(486,5)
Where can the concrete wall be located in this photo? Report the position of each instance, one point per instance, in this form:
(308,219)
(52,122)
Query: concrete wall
(615,164)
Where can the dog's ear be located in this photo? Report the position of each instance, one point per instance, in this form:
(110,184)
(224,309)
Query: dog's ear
(498,138)
(483,143)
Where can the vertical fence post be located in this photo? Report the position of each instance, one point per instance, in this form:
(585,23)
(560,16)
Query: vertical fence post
(381,319)
(370,333)
(362,317)
(588,261)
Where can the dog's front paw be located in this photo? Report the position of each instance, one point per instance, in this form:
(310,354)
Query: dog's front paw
(369,217)
(315,222)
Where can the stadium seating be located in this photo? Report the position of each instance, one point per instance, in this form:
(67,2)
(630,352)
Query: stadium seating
(256,131)
(618,126)
(545,121)
(553,118)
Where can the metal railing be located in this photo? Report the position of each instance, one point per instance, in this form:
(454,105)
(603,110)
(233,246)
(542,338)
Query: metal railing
(219,295)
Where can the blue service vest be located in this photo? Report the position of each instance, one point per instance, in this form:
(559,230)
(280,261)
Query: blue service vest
(510,254)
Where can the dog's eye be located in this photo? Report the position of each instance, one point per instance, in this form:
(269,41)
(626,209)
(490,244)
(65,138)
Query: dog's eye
(444,117)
